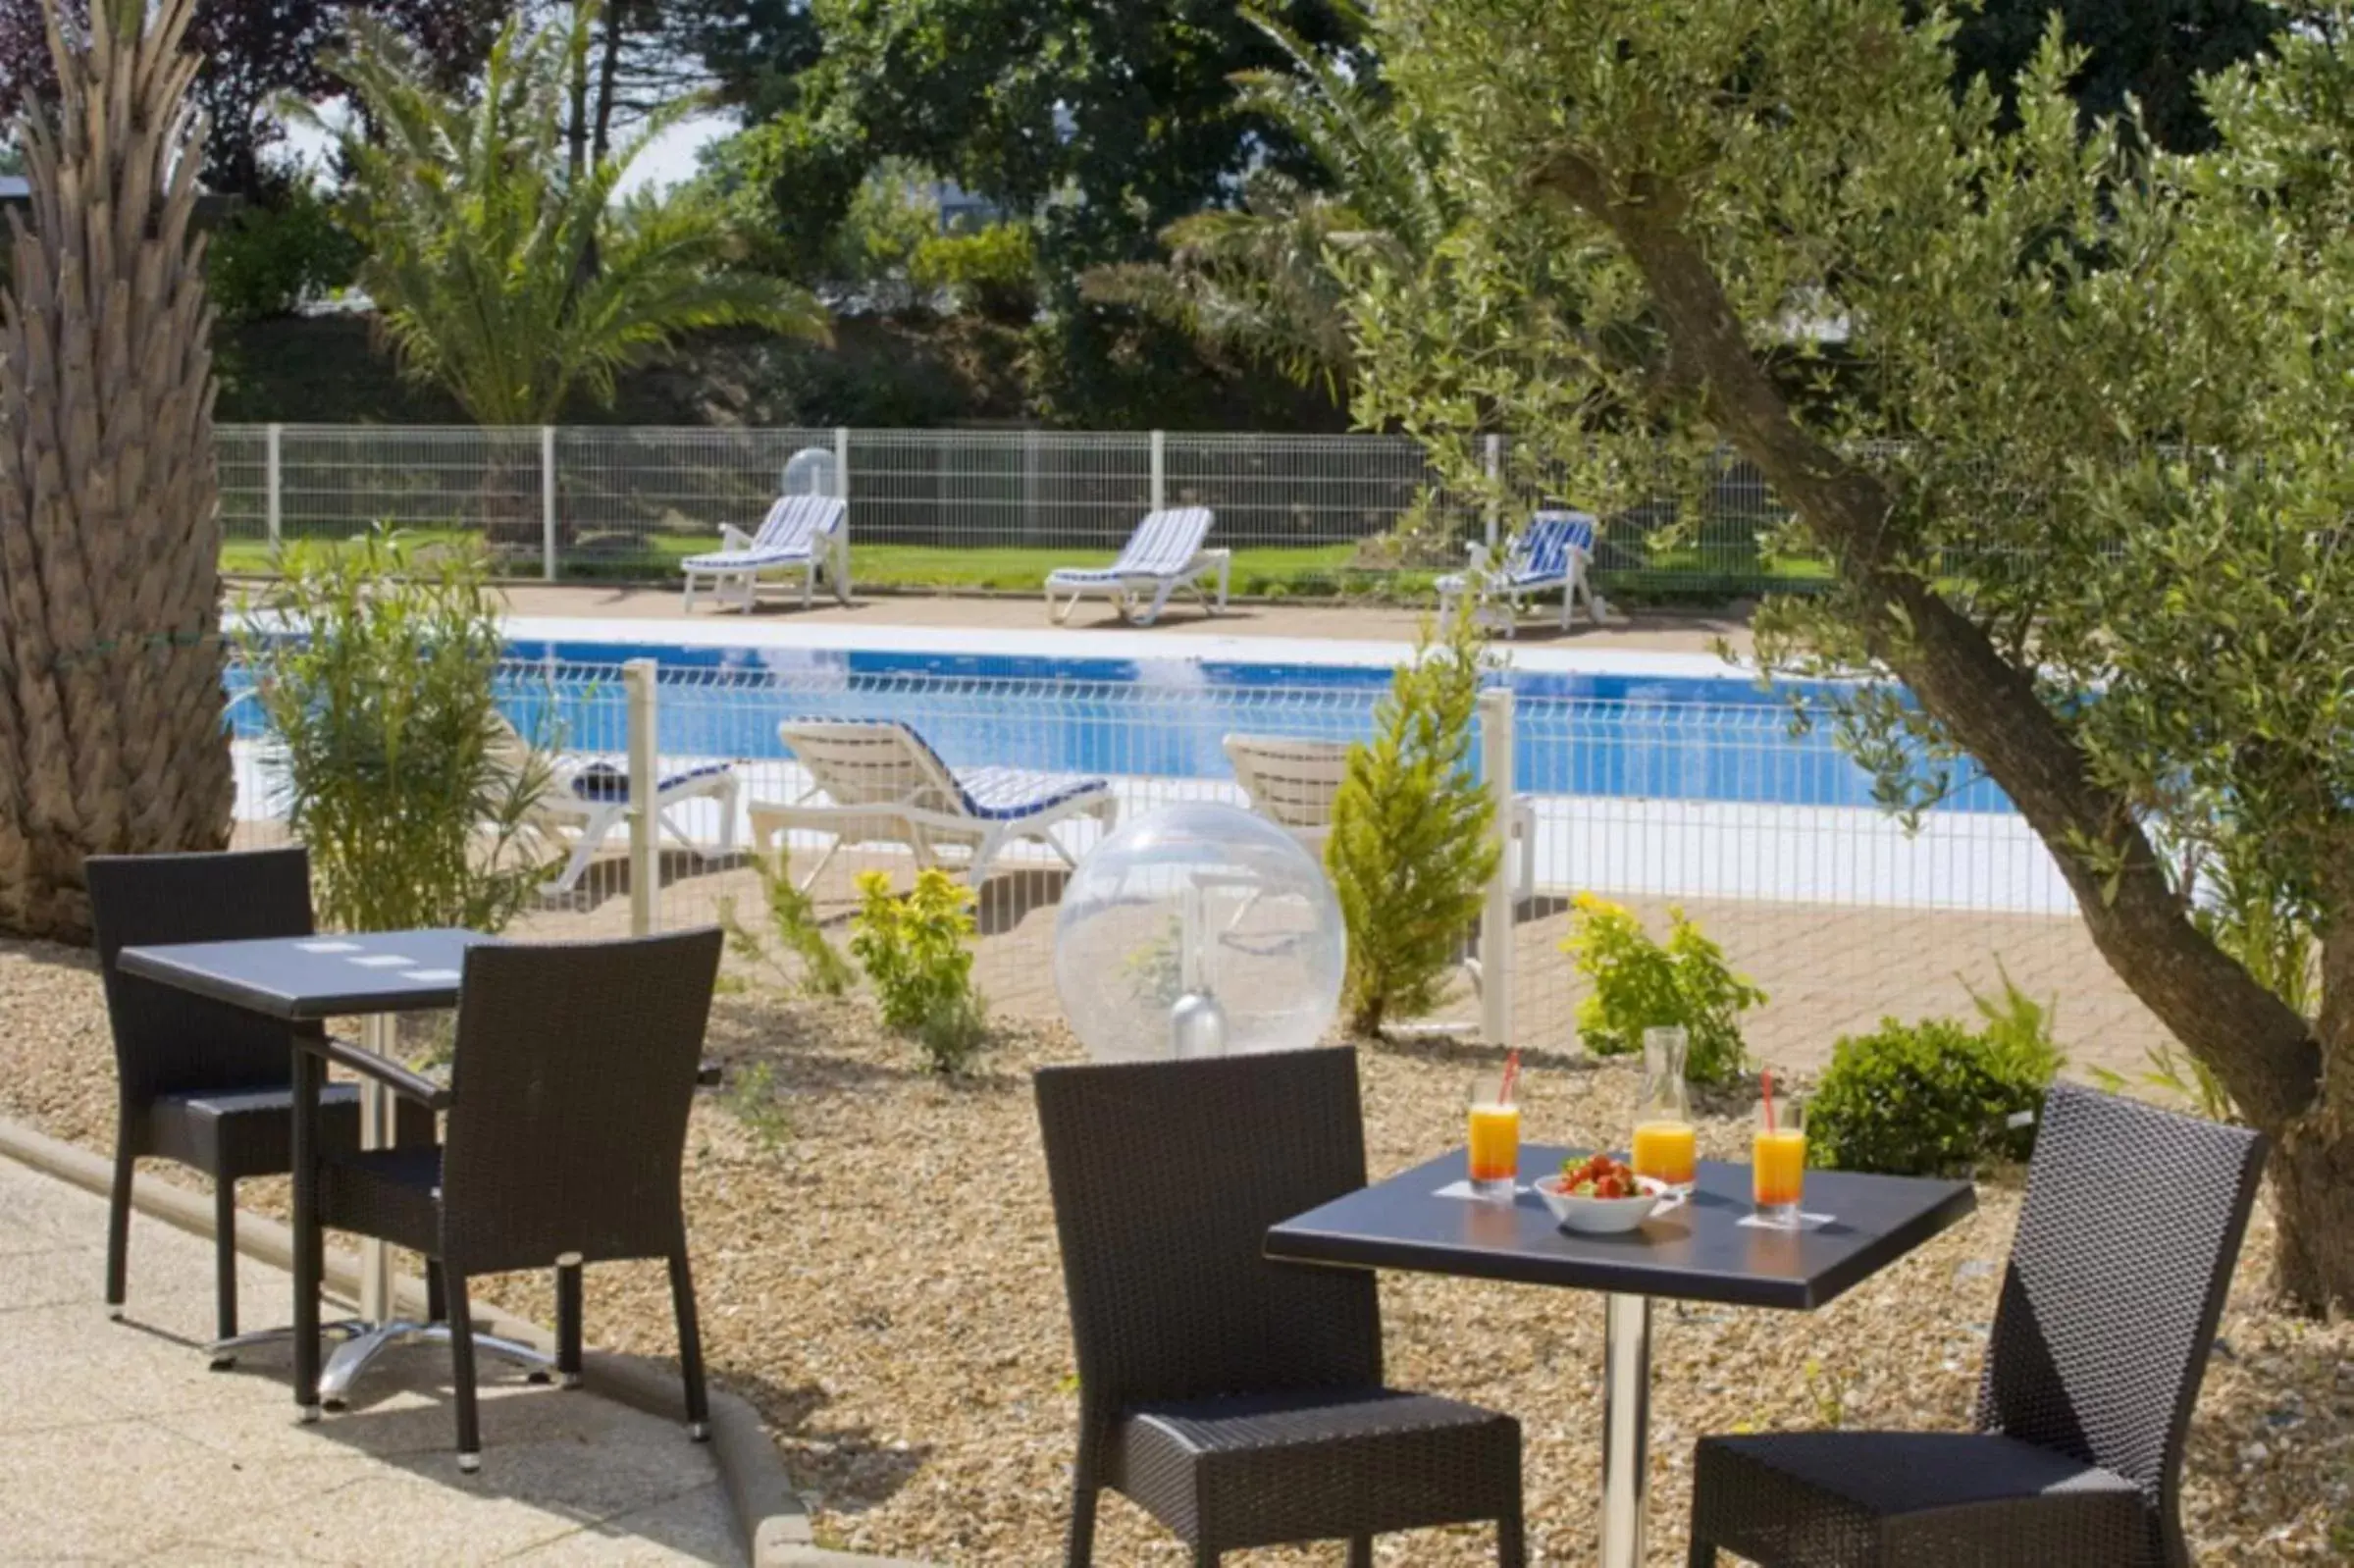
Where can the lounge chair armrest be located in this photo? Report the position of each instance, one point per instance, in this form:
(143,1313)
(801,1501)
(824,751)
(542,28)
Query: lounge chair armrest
(368,1065)
(733,538)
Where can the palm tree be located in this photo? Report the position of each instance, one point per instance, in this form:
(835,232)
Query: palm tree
(111,738)
(501,269)
(1262,281)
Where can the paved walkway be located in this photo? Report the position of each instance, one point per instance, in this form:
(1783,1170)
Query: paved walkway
(117,1445)
(1652,631)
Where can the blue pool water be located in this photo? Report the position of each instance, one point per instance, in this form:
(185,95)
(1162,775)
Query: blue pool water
(1679,737)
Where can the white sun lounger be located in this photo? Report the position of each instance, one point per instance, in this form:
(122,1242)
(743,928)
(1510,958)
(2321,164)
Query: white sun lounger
(1294,782)
(587,798)
(1554,553)
(1164,555)
(808,534)
(882,783)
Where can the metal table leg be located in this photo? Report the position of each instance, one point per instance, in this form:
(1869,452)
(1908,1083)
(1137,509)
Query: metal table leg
(379,1036)
(379,1330)
(1626,1426)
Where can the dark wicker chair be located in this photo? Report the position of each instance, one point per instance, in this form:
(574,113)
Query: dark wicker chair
(2132,1221)
(201,1082)
(572,1074)
(1238,1399)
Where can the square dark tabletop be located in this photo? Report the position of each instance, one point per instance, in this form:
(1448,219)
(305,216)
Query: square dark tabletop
(1695,1251)
(308,978)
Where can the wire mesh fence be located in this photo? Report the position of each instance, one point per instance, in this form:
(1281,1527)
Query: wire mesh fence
(959,507)
(1766,838)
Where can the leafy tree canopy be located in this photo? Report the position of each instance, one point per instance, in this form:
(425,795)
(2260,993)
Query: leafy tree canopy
(1108,120)
(1255,279)
(2084,480)
(752,49)
(254,53)
(2155,50)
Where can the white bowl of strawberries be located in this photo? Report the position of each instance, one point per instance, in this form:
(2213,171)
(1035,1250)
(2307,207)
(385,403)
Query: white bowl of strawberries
(1599,1196)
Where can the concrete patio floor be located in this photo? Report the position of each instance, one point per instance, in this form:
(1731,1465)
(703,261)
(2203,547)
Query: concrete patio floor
(118,1445)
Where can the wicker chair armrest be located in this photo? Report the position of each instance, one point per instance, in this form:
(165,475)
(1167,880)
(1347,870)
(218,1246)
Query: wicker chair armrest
(368,1065)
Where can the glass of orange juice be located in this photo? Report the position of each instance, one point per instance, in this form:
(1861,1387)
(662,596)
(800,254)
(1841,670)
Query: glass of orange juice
(1494,1138)
(1778,1159)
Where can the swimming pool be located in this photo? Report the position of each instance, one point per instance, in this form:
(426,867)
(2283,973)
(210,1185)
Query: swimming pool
(1599,733)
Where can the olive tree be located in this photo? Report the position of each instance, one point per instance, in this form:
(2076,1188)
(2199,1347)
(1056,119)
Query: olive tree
(2069,414)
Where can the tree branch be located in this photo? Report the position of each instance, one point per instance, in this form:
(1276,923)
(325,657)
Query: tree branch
(2261,1046)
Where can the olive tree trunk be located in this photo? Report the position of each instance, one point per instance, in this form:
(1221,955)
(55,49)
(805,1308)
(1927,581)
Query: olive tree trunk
(111,736)
(2269,1056)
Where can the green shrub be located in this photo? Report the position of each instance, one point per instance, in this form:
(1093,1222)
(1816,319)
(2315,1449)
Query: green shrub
(916,948)
(1932,1098)
(1640,984)
(792,924)
(416,799)
(992,271)
(753,1096)
(271,261)
(1413,840)
(953,1033)
(2016,1025)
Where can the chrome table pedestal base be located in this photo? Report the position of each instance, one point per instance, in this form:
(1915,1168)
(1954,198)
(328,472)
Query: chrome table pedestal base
(352,1356)
(225,1352)
(1626,1426)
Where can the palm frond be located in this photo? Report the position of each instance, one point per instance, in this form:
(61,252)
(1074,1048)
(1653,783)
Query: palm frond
(499,270)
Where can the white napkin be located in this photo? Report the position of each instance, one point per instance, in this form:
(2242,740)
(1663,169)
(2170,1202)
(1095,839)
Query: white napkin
(1806,1222)
(1462,1190)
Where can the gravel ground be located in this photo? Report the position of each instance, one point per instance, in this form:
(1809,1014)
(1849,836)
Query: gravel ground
(877,1270)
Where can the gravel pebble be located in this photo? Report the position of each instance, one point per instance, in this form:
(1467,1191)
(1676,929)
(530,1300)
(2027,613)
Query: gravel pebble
(877,1264)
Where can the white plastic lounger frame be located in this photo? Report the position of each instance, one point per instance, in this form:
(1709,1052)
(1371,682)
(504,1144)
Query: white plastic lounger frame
(808,534)
(882,783)
(588,799)
(1164,555)
(1292,783)
(1554,553)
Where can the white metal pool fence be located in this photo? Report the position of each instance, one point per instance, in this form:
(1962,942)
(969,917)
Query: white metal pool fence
(626,502)
(1837,911)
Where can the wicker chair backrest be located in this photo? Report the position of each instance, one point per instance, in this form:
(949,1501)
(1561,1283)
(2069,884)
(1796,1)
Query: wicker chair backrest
(572,1075)
(168,1041)
(1165,1176)
(2126,1244)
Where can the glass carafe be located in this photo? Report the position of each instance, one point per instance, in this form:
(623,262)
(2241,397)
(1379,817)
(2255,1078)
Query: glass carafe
(1666,1148)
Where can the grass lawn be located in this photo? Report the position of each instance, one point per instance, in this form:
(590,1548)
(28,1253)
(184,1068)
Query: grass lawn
(1314,571)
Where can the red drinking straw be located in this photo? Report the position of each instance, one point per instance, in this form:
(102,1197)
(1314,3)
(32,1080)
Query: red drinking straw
(1504,1094)
(1768,1078)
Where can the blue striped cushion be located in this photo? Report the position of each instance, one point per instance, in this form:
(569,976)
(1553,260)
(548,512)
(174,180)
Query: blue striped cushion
(1162,546)
(1544,553)
(790,534)
(603,782)
(724,560)
(1007,794)
(1004,794)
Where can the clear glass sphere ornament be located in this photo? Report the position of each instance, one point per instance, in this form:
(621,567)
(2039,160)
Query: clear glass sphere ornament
(812,471)
(1198,930)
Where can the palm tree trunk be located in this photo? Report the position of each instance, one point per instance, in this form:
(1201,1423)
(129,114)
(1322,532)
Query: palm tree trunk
(111,737)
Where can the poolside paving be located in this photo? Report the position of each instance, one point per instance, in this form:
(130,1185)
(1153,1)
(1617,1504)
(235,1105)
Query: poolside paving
(1652,631)
(117,1445)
